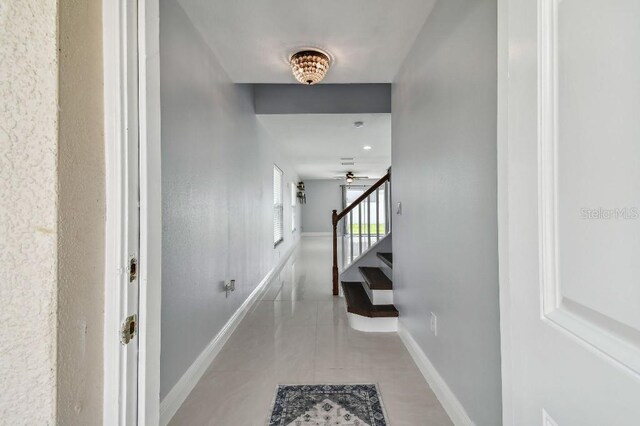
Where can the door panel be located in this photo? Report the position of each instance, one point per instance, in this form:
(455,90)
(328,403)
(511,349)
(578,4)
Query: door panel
(598,152)
(573,194)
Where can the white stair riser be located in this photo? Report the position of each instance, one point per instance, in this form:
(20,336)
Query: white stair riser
(381,297)
(372,325)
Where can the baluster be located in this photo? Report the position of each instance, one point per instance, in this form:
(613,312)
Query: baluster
(369,219)
(390,206)
(387,207)
(344,253)
(359,229)
(351,234)
(378,214)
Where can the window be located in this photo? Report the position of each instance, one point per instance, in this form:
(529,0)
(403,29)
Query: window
(294,195)
(278,230)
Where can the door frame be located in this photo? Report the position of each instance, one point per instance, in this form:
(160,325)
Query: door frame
(114,33)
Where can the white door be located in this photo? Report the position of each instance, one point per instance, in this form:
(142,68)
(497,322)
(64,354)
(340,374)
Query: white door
(132,227)
(570,218)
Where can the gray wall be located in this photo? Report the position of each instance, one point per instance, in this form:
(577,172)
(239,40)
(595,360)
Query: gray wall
(217,195)
(444,173)
(322,197)
(322,98)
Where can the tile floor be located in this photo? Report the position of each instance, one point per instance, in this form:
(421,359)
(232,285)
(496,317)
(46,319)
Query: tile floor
(298,334)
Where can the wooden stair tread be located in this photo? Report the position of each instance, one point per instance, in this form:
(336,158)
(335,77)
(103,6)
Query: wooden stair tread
(375,278)
(358,302)
(387,258)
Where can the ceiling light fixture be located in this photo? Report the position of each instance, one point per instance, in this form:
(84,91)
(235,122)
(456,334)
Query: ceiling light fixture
(366,147)
(358,124)
(309,66)
(349,177)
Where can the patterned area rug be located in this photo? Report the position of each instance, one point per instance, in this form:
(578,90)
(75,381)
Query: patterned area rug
(328,405)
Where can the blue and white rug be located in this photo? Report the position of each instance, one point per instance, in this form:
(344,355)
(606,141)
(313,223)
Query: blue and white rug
(328,405)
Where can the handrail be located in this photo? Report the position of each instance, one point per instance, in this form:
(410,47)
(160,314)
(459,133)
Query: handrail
(335,218)
(361,198)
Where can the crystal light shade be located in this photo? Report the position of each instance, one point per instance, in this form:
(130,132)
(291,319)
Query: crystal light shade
(309,66)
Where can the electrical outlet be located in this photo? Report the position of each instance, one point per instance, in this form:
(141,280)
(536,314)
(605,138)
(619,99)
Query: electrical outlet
(434,324)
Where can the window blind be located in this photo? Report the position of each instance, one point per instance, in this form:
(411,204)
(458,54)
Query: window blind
(278,220)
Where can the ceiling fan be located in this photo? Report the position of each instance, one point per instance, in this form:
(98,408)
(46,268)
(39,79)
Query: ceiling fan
(350,177)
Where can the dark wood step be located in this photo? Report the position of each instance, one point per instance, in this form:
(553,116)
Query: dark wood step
(375,278)
(387,258)
(358,302)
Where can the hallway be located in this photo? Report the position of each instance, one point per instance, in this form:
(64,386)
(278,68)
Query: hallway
(298,334)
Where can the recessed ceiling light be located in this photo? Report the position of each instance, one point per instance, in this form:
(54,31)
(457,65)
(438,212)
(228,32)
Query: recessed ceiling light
(358,124)
(366,147)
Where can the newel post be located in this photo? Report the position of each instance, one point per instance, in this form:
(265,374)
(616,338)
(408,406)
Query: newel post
(334,221)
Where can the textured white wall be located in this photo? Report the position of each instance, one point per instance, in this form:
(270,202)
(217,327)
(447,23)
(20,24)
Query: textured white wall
(81,215)
(217,194)
(28,150)
(445,246)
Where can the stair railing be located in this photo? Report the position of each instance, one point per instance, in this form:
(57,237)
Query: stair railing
(359,231)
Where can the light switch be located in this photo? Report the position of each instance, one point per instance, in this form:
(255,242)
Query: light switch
(398,208)
(433,324)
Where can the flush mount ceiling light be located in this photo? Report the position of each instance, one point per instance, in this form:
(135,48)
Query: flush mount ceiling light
(358,124)
(309,66)
(366,147)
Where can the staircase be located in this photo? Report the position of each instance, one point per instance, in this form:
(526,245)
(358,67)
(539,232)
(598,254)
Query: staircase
(366,279)
(370,301)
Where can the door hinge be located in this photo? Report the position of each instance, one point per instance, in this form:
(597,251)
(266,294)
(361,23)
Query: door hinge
(133,269)
(128,329)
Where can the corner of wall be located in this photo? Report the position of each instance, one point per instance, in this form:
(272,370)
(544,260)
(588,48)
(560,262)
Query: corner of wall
(81,213)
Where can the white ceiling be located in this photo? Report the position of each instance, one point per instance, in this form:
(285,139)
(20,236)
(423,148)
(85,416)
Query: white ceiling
(316,142)
(368,39)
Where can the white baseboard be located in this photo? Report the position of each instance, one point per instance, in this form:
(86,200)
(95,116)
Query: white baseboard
(181,390)
(445,395)
(317,234)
